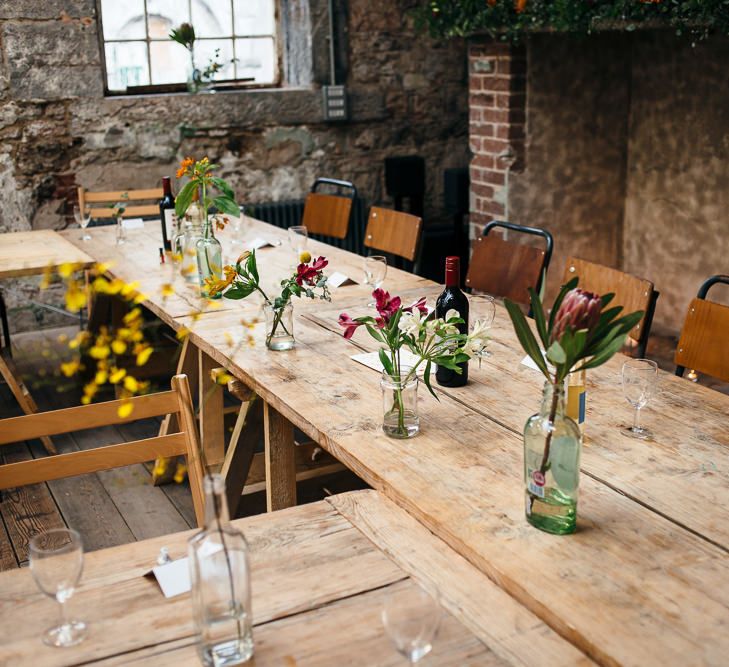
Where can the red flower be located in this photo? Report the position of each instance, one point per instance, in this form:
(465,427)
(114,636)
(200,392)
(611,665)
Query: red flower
(310,274)
(579,309)
(350,325)
(386,306)
(419,304)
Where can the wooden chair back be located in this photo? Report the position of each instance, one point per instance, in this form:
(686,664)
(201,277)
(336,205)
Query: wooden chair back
(103,200)
(704,342)
(506,269)
(184,443)
(631,292)
(393,232)
(327,215)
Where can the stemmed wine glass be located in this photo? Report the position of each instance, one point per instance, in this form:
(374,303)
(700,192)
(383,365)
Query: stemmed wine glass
(83,218)
(481,313)
(375,270)
(298,238)
(640,377)
(56,561)
(411,619)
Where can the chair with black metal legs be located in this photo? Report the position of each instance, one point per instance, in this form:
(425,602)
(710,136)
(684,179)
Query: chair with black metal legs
(631,292)
(704,342)
(506,269)
(328,214)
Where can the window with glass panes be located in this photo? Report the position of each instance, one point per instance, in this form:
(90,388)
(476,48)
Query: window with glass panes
(139,52)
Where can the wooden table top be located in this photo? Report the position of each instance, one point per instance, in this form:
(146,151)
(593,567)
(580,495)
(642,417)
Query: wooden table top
(320,575)
(645,580)
(30,253)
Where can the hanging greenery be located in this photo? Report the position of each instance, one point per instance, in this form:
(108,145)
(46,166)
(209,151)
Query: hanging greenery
(511,19)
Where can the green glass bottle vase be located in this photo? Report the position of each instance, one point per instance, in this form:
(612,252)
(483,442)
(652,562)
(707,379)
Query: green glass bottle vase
(552,446)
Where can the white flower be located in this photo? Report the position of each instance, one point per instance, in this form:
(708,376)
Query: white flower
(409,323)
(480,331)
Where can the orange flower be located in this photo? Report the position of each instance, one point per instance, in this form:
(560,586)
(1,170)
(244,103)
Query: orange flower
(184,166)
(519,5)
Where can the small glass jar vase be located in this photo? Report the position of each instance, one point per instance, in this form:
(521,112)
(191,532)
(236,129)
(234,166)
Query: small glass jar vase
(121,231)
(552,446)
(279,326)
(400,404)
(209,259)
(196,79)
(221,584)
(192,232)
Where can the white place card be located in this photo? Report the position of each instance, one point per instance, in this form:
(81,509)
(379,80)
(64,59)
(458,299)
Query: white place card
(372,360)
(133,223)
(338,279)
(529,363)
(173,578)
(258,242)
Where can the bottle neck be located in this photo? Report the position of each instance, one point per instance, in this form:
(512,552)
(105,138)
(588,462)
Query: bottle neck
(552,399)
(452,272)
(216,504)
(166,187)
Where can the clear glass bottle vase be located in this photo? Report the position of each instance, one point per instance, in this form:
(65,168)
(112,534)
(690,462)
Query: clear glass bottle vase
(209,258)
(552,446)
(221,587)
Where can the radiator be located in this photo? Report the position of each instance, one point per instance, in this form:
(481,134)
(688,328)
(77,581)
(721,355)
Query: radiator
(287,213)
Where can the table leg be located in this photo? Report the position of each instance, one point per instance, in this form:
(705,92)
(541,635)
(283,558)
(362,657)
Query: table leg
(280,456)
(212,427)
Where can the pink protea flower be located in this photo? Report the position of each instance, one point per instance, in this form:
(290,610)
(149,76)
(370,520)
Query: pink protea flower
(580,309)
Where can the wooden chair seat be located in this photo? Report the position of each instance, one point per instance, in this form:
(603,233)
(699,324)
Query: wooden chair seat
(631,292)
(184,442)
(394,232)
(704,342)
(105,199)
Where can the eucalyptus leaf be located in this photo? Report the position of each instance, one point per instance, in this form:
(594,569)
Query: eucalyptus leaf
(556,354)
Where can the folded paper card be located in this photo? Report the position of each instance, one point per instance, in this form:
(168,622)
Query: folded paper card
(173,577)
(133,223)
(258,242)
(338,279)
(372,360)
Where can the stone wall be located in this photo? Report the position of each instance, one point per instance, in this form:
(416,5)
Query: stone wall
(408,95)
(627,158)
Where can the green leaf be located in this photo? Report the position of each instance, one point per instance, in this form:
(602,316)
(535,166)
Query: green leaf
(239,291)
(223,187)
(184,198)
(252,266)
(538,315)
(607,298)
(525,336)
(606,354)
(556,354)
(226,205)
(386,362)
(426,379)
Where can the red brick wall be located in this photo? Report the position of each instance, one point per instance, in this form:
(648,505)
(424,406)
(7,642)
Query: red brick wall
(497,124)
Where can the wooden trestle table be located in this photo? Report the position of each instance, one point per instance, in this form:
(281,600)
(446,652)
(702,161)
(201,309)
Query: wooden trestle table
(644,581)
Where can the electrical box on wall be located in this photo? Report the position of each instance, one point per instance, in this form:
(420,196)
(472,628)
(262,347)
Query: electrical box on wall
(335,102)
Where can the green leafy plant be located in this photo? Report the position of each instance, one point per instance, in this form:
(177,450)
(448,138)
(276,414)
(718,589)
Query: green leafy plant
(201,182)
(511,19)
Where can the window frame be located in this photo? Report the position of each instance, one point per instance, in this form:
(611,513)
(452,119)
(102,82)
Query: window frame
(161,88)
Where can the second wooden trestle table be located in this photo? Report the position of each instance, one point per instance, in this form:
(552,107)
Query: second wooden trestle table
(645,580)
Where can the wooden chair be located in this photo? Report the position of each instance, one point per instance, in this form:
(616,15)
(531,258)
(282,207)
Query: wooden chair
(631,292)
(394,232)
(507,269)
(126,197)
(704,342)
(177,401)
(329,214)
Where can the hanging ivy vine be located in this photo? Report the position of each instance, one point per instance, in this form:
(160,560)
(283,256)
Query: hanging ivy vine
(511,19)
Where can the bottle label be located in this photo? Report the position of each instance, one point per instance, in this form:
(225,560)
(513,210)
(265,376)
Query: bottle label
(170,223)
(536,482)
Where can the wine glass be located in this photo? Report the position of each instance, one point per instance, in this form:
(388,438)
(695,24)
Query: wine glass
(640,377)
(411,619)
(56,561)
(83,218)
(481,313)
(298,238)
(375,270)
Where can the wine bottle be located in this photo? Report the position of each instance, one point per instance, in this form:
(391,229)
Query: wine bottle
(452,297)
(167,215)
